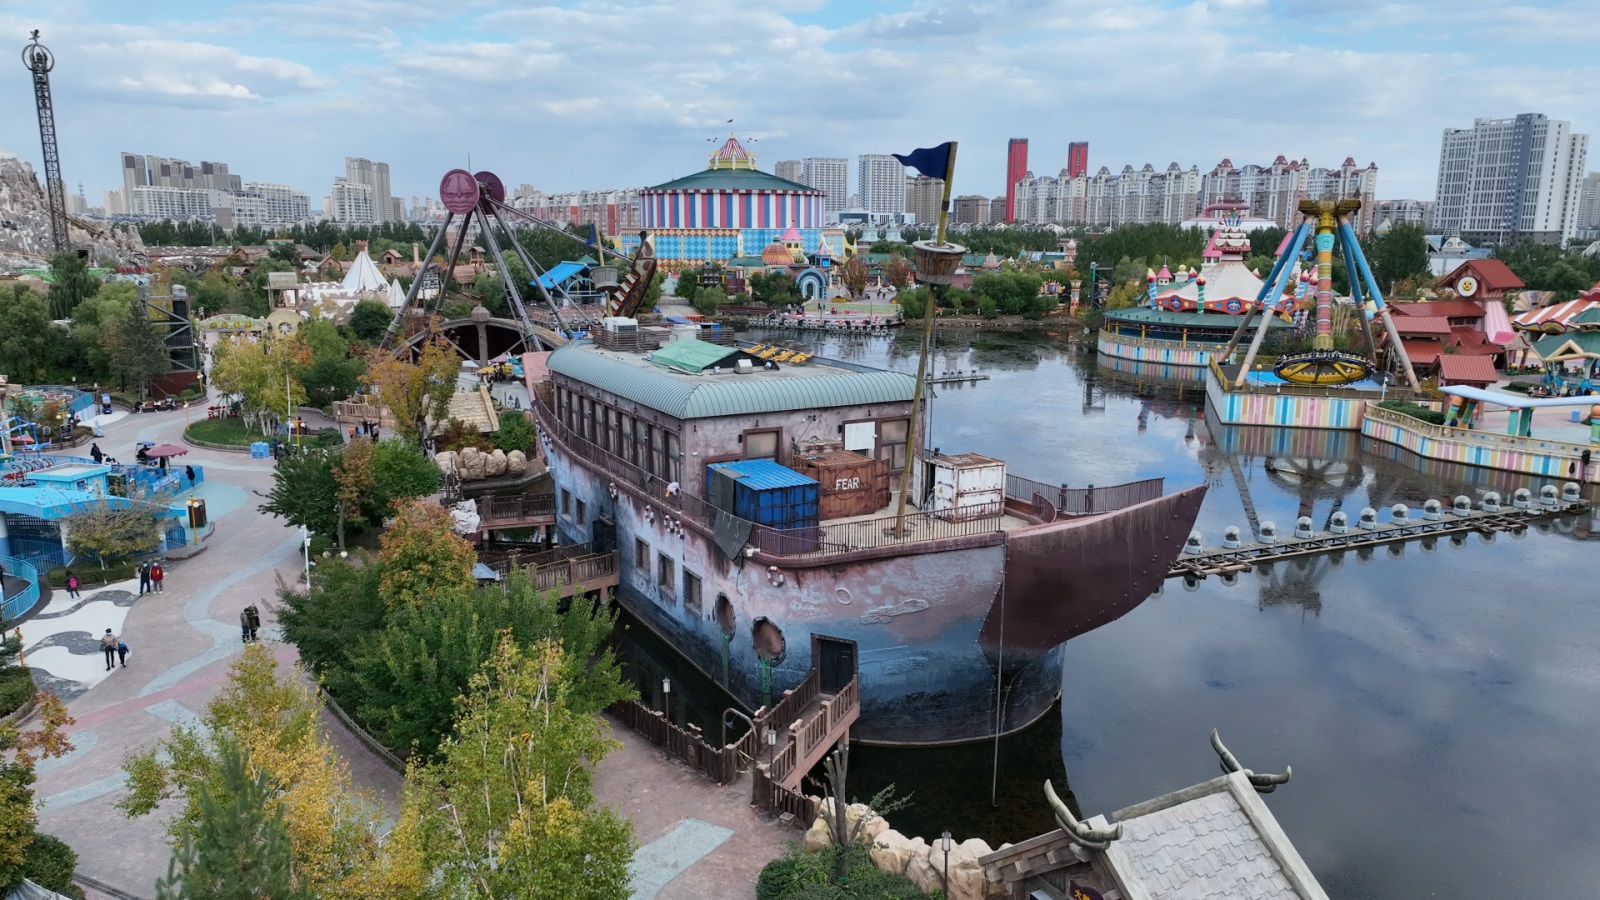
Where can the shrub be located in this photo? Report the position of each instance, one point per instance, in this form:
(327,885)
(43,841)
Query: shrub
(329,437)
(91,574)
(50,864)
(799,875)
(1519,387)
(15,689)
(1414,410)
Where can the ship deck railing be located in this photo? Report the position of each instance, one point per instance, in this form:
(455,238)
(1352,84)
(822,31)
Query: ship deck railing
(1028,502)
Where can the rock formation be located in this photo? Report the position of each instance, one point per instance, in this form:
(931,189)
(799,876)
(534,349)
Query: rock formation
(25,240)
(516,463)
(918,860)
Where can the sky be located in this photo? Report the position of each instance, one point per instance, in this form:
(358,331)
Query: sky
(624,93)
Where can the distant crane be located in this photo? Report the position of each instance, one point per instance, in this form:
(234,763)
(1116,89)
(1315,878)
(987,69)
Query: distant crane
(39,60)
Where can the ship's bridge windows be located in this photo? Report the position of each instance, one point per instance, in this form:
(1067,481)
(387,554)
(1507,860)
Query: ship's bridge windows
(762,443)
(691,592)
(666,578)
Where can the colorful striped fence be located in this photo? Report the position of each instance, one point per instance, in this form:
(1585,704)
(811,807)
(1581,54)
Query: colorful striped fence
(1485,449)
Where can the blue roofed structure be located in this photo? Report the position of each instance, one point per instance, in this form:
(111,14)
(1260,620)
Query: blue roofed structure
(561,273)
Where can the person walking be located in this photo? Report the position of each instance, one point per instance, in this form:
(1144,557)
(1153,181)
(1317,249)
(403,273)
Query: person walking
(244,624)
(72,585)
(108,643)
(122,653)
(144,578)
(96,454)
(255,622)
(157,576)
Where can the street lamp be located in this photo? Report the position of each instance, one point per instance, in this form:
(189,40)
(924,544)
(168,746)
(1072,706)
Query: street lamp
(944,844)
(306,546)
(185,415)
(772,743)
(666,697)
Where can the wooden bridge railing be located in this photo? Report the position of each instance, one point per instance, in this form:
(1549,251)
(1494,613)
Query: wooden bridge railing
(719,764)
(575,572)
(516,507)
(768,794)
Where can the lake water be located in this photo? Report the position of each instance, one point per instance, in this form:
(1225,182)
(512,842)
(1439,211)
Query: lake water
(1440,704)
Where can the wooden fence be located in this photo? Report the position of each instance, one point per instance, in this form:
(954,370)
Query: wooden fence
(515,507)
(768,794)
(719,764)
(575,572)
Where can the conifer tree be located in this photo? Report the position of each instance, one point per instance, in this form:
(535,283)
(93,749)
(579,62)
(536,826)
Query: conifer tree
(240,849)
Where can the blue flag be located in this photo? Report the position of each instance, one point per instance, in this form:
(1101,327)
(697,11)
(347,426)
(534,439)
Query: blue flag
(594,235)
(933,162)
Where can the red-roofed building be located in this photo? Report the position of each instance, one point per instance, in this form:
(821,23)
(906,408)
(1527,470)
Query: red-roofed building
(1480,279)
(1476,371)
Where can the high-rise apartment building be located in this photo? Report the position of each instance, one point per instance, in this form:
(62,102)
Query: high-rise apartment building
(997,209)
(789,170)
(351,203)
(1016,170)
(1589,202)
(158,171)
(375,176)
(882,181)
(1078,158)
(970,209)
(1174,195)
(831,176)
(1403,212)
(924,196)
(263,204)
(1508,178)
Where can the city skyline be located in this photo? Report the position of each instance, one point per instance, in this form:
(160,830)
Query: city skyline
(285,92)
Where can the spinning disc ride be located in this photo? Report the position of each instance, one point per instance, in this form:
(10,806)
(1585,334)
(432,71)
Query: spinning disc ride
(1323,365)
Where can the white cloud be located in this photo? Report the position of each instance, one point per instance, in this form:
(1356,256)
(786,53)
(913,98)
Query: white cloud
(616,93)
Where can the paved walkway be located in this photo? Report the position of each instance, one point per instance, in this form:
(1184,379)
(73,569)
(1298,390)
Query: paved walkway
(696,840)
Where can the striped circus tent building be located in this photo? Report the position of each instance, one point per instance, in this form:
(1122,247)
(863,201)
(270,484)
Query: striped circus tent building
(726,210)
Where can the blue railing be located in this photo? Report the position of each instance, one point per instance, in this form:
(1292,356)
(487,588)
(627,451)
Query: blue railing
(72,398)
(16,604)
(42,553)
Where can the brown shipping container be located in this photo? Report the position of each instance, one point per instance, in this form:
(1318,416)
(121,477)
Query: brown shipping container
(852,484)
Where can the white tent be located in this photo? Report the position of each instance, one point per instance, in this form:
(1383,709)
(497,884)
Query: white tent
(397,294)
(364,277)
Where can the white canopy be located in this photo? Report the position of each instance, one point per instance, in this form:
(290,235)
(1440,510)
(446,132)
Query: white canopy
(364,277)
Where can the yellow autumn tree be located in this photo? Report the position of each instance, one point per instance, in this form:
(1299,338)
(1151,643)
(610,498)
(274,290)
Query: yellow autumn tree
(262,375)
(20,751)
(415,390)
(334,829)
(422,559)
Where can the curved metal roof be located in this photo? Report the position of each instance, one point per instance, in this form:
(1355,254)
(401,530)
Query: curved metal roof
(710,396)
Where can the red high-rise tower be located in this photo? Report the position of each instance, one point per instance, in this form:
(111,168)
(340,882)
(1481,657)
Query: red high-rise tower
(1078,158)
(1016,168)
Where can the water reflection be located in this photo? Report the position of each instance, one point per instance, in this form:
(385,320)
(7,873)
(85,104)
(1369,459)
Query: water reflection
(1426,693)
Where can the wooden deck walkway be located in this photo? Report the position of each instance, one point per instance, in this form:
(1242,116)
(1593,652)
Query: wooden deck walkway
(516,511)
(581,575)
(1230,561)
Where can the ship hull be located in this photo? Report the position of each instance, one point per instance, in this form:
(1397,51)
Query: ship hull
(917,612)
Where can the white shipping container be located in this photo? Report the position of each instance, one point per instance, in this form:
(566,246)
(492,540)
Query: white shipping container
(968,485)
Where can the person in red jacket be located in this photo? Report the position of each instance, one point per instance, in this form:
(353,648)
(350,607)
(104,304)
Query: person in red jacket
(156,576)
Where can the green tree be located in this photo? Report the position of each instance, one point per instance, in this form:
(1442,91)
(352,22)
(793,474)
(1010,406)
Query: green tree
(135,349)
(774,288)
(415,391)
(333,374)
(240,847)
(275,723)
(509,809)
(304,490)
(112,529)
(20,752)
(913,302)
(354,477)
(688,285)
(96,315)
(517,432)
(1396,256)
(262,375)
(370,319)
(71,284)
(25,338)
(403,471)
(709,299)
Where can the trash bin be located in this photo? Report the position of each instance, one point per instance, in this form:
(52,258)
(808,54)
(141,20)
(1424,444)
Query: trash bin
(197,513)
(1577,416)
(260,450)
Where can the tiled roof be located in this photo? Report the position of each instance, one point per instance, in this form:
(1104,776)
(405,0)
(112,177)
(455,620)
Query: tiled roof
(1438,325)
(1447,308)
(1459,368)
(1560,315)
(1204,849)
(1422,352)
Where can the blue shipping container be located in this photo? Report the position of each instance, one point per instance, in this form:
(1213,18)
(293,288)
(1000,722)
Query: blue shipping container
(764,492)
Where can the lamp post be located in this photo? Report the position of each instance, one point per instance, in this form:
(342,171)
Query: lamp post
(305,544)
(666,697)
(944,844)
(185,415)
(772,744)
